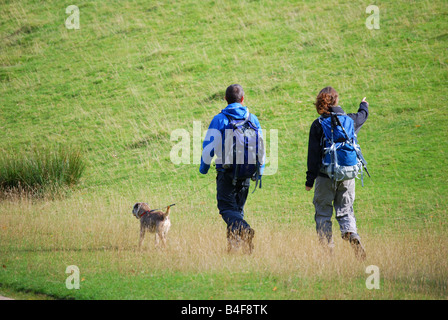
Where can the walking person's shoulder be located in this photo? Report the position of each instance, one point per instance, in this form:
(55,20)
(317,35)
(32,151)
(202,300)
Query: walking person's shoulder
(316,127)
(254,120)
(219,121)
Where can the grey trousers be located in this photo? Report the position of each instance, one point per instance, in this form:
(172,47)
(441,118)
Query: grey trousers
(341,196)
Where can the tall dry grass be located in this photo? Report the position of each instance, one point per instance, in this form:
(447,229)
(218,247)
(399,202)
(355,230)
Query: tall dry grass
(103,238)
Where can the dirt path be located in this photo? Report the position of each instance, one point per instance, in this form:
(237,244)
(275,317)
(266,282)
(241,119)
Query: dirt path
(5,298)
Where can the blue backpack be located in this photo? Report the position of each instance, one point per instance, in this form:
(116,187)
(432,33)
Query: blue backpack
(342,158)
(244,149)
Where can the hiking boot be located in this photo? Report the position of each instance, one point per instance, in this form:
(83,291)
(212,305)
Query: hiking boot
(247,236)
(233,241)
(327,245)
(355,242)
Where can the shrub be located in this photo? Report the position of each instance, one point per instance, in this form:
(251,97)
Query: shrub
(40,171)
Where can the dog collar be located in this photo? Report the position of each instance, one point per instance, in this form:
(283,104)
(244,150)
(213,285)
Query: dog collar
(148,211)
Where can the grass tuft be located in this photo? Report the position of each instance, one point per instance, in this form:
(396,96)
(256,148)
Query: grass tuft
(40,172)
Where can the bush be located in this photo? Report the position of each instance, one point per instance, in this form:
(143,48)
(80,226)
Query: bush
(41,171)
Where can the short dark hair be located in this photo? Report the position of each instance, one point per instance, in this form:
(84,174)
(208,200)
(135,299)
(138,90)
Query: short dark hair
(234,93)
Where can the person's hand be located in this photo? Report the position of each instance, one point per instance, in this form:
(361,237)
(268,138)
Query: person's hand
(364,100)
(308,188)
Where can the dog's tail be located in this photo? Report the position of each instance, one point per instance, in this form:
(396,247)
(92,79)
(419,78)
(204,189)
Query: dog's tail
(167,212)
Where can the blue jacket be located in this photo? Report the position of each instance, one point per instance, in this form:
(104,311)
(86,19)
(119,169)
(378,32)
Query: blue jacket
(220,122)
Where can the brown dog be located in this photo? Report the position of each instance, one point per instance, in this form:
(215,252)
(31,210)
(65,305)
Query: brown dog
(155,221)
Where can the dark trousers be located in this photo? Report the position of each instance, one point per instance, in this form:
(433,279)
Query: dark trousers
(231,199)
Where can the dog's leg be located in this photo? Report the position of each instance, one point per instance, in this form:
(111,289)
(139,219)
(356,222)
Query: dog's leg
(142,236)
(163,237)
(157,239)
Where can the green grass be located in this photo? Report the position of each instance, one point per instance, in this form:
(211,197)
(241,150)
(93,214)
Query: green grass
(137,70)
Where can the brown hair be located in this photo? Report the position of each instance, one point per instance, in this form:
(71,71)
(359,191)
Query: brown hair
(327,97)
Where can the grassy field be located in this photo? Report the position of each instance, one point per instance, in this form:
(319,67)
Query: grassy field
(136,71)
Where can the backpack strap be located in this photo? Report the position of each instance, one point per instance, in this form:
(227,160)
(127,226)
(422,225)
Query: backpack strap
(338,123)
(257,177)
(230,118)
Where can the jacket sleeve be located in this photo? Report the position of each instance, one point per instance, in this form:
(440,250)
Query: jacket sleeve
(314,153)
(215,125)
(361,116)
